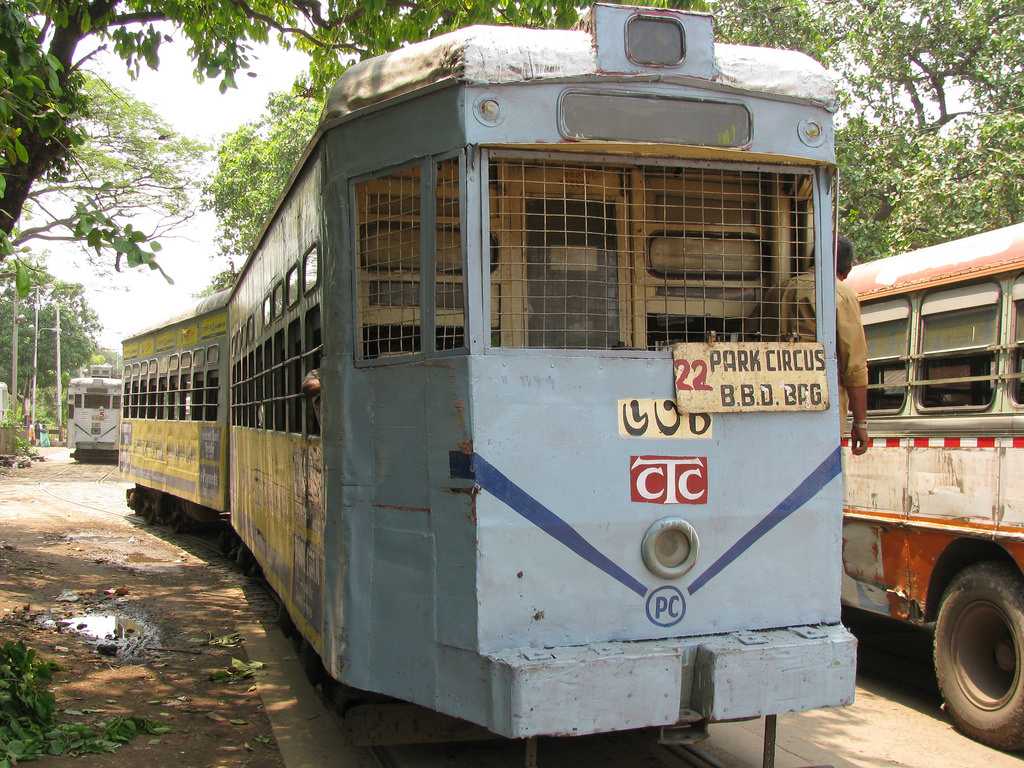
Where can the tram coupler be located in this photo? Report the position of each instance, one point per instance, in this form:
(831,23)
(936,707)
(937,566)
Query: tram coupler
(691,729)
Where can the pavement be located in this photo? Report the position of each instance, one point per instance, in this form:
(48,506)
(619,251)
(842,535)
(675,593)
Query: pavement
(68,521)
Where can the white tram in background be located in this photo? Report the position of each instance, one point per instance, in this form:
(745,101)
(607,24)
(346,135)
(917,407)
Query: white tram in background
(505,252)
(94,415)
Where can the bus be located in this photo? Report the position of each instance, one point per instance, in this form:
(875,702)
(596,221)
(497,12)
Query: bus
(524,269)
(94,414)
(934,514)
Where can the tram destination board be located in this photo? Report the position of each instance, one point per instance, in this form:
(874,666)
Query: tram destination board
(740,377)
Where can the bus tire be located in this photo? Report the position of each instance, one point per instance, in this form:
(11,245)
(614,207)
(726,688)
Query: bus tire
(979,637)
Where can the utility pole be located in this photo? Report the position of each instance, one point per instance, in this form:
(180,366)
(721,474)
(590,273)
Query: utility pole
(14,350)
(60,397)
(35,360)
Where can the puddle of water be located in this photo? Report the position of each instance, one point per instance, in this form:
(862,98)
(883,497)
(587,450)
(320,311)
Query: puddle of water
(113,634)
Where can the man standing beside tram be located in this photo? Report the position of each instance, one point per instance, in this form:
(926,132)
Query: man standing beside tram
(797,320)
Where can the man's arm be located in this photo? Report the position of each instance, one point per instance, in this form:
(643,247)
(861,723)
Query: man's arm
(852,351)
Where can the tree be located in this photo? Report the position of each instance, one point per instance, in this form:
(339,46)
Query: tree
(931,148)
(79,326)
(45,43)
(253,166)
(130,164)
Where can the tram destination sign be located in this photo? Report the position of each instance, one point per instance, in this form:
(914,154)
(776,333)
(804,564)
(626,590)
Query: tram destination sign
(739,377)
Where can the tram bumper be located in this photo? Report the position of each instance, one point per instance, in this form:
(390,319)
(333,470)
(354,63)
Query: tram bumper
(622,685)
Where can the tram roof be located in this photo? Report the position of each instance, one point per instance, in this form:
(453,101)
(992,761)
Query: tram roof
(976,256)
(203,306)
(491,55)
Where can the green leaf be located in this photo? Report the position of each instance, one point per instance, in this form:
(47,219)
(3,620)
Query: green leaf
(22,278)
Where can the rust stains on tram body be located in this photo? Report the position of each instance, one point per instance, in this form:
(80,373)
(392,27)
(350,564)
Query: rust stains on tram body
(485,255)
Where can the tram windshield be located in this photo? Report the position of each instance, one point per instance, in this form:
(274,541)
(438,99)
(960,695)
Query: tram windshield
(596,256)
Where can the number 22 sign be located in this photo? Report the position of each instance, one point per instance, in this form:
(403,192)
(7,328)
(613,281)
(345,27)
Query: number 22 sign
(739,377)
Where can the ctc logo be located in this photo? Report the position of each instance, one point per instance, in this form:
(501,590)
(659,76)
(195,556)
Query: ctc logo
(665,606)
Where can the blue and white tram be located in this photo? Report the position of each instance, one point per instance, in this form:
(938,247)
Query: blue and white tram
(566,473)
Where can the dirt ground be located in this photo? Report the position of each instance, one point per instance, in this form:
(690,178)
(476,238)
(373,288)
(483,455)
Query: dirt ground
(63,537)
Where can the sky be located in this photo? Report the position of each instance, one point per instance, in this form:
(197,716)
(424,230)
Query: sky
(139,298)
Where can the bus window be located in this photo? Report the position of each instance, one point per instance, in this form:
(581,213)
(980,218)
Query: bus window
(312,355)
(887,326)
(295,375)
(1017,385)
(311,269)
(212,393)
(388,211)
(616,257)
(958,326)
(449,301)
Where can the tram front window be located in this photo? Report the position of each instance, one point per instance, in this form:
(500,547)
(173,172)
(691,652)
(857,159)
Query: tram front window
(641,257)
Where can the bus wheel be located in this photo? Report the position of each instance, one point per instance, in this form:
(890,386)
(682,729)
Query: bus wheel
(979,638)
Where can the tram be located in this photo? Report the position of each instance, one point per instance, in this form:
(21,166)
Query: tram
(94,414)
(521,267)
(934,517)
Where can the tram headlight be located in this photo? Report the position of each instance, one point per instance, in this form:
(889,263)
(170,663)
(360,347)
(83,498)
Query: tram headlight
(670,547)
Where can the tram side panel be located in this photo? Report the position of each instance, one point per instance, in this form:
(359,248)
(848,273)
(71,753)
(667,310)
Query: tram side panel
(276,464)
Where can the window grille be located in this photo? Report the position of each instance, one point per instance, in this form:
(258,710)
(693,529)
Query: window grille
(388,216)
(311,357)
(1017,384)
(449,304)
(607,256)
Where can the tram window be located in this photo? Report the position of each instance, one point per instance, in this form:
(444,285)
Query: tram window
(258,380)
(78,401)
(957,328)
(198,358)
(292,293)
(213,354)
(250,411)
(279,382)
(172,398)
(198,396)
(186,359)
(184,396)
(619,257)
(212,386)
(312,356)
(388,210)
(449,302)
(268,384)
(294,372)
(71,409)
(311,269)
(267,307)
(152,401)
(161,398)
(278,299)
